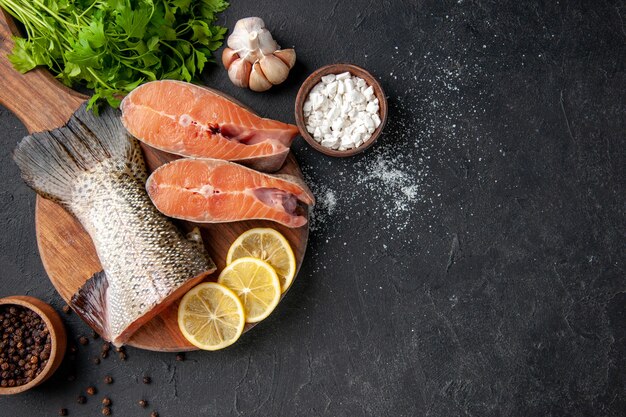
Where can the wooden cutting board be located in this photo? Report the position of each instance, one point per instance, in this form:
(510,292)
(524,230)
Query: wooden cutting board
(67,252)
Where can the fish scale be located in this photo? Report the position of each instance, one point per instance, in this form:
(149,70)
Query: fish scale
(96,170)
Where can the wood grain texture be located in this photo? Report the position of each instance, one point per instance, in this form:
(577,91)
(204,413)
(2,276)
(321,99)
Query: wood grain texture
(66,249)
(37,98)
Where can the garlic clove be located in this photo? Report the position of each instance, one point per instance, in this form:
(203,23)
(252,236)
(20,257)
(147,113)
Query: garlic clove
(288,56)
(274,68)
(239,72)
(258,81)
(228,57)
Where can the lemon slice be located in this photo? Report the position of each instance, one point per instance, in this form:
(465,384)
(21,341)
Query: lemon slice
(270,246)
(256,284)
(211,316)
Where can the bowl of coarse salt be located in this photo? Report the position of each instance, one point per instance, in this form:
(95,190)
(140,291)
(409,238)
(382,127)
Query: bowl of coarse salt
(341,110)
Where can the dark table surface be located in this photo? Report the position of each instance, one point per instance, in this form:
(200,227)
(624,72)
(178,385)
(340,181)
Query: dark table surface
(470,264)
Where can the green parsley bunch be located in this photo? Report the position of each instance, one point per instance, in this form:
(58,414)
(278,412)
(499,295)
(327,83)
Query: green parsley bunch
(112,46)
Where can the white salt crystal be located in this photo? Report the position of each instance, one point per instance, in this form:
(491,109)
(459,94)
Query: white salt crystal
(348,84)
(337,124)
(331,89)
(371,107)
(369,92)
(328,78)
(333,113)
(330,142)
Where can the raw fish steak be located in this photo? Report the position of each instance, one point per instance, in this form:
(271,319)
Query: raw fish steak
(216,191)
(189,120)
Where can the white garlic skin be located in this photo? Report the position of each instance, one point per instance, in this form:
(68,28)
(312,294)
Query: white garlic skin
(251,39)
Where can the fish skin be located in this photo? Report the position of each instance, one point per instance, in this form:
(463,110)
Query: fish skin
(194,121)
(97,172)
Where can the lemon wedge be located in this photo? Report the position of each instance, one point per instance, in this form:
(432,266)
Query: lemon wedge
(211,316)
(256,284)
(270,246)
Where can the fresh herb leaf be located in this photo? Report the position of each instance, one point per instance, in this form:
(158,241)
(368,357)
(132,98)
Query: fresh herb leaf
(112,46)
(22,56)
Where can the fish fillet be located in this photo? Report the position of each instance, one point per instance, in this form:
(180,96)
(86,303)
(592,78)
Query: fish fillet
(215,191)
(96,171)
(193,121)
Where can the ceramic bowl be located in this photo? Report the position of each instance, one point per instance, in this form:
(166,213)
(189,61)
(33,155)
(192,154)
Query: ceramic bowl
(58,338)
(315,78)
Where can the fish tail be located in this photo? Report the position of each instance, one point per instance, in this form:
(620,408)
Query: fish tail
(50,162)
(90,303)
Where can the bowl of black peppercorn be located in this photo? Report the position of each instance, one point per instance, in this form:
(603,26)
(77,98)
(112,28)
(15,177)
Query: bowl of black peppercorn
(32,343)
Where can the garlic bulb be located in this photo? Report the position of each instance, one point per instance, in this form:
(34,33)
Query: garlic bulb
(253,58)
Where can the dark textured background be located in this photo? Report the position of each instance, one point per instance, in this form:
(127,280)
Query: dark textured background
(499,291)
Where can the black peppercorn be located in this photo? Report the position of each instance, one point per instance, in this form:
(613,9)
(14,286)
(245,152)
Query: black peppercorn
(106,401)
(95,335)
(96,360)
(25,345)
(106,411)
(147,380)
(122,356)
(91,390)
(63,412)
(143,403)
(154,414)
(67,309)
(81,399)
(83,340)
(180,357)
(108,380)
